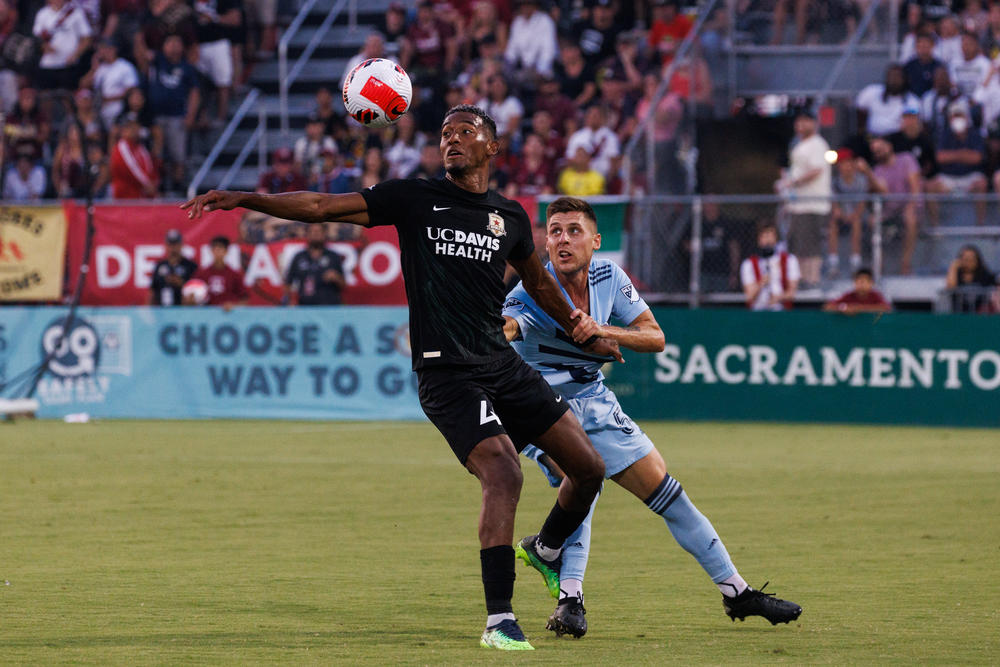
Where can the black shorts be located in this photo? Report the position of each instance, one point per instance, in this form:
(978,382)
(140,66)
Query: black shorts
(471,403)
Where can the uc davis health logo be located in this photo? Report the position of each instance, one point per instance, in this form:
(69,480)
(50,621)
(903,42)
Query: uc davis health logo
(82,361)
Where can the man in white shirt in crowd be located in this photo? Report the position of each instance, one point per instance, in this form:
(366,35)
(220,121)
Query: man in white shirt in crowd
(770,277)
(880,105)
(969,71)
(533,43)
(599,140)
(808,183)
(111,78)
(66,35)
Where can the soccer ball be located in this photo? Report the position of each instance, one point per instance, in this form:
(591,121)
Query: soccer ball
(377,92)
(195,290)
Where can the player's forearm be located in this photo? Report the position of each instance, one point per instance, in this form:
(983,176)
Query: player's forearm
(303,206)
(549,297)
(636,338)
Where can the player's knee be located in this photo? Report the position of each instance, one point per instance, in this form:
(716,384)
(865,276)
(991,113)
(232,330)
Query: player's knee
(497,466)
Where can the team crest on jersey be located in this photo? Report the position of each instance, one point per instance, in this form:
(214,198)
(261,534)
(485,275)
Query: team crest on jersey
(629,292)
(496,225)
(511,302)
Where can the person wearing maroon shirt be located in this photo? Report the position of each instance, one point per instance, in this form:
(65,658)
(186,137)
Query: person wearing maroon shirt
(225,285)
(283,177)
(864,298)
(532,174)
(429,48)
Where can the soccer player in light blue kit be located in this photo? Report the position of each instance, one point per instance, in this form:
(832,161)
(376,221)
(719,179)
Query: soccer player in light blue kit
(600,287)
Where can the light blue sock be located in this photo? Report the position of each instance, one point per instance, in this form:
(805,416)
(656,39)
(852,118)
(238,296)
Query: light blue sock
(576,549)
(691,529)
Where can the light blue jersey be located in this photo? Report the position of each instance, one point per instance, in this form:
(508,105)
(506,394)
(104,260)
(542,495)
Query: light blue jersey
(572,372)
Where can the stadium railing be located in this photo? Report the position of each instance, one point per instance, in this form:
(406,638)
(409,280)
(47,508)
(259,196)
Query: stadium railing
(259,136)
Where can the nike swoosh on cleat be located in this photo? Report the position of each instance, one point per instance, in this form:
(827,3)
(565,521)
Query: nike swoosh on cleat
(441,208)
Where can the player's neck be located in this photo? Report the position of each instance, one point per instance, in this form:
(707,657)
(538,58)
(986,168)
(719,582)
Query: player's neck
(577,286)
(477,181)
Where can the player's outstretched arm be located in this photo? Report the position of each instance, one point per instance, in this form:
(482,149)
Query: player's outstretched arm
(643,334)
(302,206)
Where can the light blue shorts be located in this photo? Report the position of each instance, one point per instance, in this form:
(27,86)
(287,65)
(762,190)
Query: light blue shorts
(617,438)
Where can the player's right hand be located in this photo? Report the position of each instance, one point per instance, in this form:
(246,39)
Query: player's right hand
(605,347)
(213,200)
(585,328)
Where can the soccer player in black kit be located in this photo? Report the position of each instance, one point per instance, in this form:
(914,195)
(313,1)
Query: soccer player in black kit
(456,236)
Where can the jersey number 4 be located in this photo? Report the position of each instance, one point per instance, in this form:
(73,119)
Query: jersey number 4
(486,415)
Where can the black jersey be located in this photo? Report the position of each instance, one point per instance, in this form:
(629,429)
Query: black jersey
(454,245)
(165,294)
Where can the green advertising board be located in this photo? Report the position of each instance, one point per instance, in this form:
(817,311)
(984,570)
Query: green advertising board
(897,368)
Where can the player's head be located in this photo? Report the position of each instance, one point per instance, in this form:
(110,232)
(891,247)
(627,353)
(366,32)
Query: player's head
(468,139)
(571,235)
(864,281)
(174,243)
(219,245)
(316,235)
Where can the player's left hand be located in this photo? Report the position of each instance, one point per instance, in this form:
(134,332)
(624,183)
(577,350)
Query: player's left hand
(585,328)
(606,347)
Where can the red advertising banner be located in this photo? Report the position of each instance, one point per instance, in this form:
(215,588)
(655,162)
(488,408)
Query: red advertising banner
(129,241)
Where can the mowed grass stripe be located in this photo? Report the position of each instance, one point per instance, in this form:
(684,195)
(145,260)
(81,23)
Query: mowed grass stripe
(227,542)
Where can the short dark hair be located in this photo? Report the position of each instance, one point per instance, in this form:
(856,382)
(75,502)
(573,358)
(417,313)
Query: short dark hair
(220,240)
(765,225)
(864,272)
(476,111)
(571,205)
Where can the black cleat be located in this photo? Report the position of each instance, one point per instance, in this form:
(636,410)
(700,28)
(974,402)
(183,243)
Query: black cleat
(759,603)
(568,618)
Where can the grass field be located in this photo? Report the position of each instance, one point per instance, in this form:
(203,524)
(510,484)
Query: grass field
(277,542)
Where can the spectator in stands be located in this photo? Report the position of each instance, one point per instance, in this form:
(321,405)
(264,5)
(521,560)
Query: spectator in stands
(27,123)
(25,181)
(315,275)
(68,177)
(403,155)
(124,20)
(283,176)
(532,47)
(991,39)
(598,33)
(808,183)
(170,273)
(575,75)
(266,14)
(333,122)
(334,177)
(973,18)
(915,139)
(919,70)
(100,168)
(8,79)
(960,155)
(214,18)
(430,48)
(532,174)
(949,46)
(987,97)
(174,100)
(598,140)
(880,105)
(555,144)
(111,77)
(669,28)
(430,166)
(150,134)
(374,47)
(307,153)
(670,173)
(898,175)
(972,68)
(65,36)
(970,281)
(166,17)
(550,99)
(225,284)
(484,26)
(503,107)
(914,25)
(374,168)
(864,298)
(579,178)
(770,277)
(853,176)
(935,103)
(88,118)
(133,172)
(393,29)
(720,249)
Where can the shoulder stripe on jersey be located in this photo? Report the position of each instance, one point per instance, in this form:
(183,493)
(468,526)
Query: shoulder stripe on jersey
(547,349)
(600,279)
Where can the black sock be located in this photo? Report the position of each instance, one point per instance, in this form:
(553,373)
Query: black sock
(498,578)
(559,525)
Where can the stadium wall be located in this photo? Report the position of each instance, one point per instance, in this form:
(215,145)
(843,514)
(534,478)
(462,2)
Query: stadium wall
(353,363)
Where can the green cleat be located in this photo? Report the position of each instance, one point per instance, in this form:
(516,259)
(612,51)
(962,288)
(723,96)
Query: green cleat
(506,636)
(525,550)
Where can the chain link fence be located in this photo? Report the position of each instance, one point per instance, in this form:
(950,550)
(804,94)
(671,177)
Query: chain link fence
(690,249)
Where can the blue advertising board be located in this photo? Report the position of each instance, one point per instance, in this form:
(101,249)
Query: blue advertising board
(292,363)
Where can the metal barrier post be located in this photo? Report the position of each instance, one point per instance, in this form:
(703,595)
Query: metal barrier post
(283,87)
(877,239)
(352,16)
(262,144)
(696,210)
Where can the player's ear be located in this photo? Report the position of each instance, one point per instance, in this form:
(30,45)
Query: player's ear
(492,147)
(597,241)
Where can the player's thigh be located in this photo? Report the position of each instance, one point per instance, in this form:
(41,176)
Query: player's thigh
(618,439)
(525,402)
(460,408)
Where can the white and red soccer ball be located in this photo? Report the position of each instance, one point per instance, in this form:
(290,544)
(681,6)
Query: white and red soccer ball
(195,291)
(377,92)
